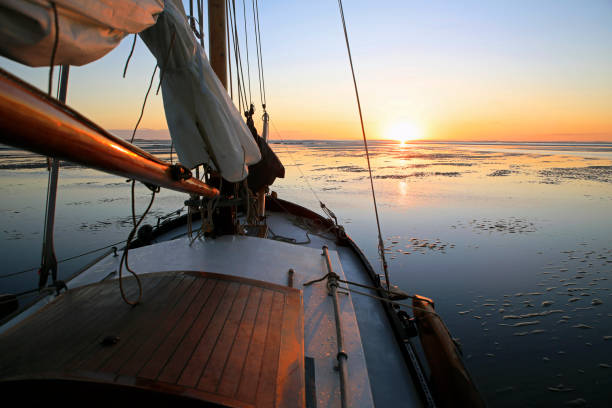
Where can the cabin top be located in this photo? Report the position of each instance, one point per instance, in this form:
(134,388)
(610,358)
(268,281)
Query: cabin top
(245,258)
(222,339)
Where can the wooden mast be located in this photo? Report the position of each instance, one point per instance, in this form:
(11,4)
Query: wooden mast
(217,40)
(224,219)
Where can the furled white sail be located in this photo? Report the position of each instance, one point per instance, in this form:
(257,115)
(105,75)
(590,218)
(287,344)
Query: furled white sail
(204,124)
(87,29)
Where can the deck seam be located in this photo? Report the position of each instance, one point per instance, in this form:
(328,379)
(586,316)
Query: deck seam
(250,340)
(217,284)
(246,302)
(265,342)
(203,332)
(135,331)
(189,328)
(176,321)
(87,346)
(218,335)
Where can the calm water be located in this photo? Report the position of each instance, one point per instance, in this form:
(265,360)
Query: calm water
(514,243)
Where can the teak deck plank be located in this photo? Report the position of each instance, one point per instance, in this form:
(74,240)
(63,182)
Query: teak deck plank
(267,379)
(252,366)
(193,371)
(231,374)
(131,330)
(93,353)
(174,367)
(291,373)
(223,339)
(215,364)
(169,346)
(165,323)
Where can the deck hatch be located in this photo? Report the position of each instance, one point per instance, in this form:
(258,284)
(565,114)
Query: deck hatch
(228,340)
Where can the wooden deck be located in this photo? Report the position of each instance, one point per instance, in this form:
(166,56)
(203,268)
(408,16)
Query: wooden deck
(222,339)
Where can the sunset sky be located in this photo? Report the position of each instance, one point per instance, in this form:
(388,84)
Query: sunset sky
(469,70)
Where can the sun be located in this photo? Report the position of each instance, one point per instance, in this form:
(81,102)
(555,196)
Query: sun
(404,132)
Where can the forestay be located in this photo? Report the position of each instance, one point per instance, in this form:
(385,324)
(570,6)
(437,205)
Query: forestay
(204,124)
(81,30)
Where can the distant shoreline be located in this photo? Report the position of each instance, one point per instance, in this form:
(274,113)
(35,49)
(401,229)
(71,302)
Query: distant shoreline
(414,142)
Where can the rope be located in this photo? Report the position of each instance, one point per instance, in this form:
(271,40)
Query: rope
(124,257)
(381,246)
(133,200)
(161,72)
(192,22)
(55,44)
(127,61)
(393,302)
(144,103)
(289,240)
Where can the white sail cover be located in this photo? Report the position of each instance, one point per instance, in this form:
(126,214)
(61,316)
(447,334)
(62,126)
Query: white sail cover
(88,29)
(204,124)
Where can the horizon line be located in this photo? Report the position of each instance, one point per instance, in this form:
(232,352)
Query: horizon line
(416,141)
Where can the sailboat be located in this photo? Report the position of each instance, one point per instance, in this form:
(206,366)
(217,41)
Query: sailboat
(205,309)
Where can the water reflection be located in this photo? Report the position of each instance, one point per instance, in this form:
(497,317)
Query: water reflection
(512,241)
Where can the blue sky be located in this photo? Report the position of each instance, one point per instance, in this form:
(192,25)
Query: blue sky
(470,70)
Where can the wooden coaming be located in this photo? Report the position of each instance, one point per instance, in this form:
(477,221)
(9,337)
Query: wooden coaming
(227,340)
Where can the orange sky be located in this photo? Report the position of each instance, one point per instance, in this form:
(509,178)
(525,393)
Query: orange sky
(523,72)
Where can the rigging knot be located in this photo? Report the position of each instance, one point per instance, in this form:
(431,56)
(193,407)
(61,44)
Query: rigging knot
(152,187)
(329,213)
(179,172)
(249,113)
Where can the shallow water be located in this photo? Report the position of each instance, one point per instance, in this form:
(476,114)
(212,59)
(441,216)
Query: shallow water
(512,241)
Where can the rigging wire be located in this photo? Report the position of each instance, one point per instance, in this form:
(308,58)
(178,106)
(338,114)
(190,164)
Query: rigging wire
(229,50)
(295,162)
(201,21)
(246,40)
(155,189)
(237,55)
(262,83)
(381,246)
(8,275)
